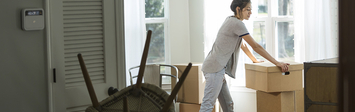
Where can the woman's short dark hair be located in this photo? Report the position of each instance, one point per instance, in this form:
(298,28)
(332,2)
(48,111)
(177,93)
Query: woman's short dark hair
(238,3)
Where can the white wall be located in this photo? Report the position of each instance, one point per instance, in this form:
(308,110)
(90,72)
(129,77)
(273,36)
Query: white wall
(23,65)
(179,31)
(244,101)
(186,31)
(196,20)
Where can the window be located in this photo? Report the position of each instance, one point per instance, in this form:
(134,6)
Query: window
(273,28)
(156,19)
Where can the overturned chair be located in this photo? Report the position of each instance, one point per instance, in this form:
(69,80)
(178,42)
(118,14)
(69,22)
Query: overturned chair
(141,97)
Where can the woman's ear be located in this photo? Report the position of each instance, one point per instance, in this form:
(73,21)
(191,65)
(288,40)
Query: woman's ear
(237,12)
(237,9)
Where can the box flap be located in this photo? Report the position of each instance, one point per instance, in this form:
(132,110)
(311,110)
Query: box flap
(270,67)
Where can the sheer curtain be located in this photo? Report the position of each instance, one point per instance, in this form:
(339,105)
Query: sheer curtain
(316,23)
(135,30)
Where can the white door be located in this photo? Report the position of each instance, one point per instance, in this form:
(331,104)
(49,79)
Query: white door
(87,27)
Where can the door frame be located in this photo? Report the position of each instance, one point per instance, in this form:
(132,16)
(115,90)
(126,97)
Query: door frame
(120,45)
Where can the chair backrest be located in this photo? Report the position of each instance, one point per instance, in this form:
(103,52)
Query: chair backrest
(152,74)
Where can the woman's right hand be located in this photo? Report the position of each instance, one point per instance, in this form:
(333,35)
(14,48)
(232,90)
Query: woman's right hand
(283,66)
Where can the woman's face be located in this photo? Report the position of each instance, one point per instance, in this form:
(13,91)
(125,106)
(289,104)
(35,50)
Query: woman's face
(246,12)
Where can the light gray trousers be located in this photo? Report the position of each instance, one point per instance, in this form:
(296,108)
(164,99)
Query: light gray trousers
(216,86)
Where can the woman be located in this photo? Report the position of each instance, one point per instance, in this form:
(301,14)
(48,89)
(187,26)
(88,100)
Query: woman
(224,56)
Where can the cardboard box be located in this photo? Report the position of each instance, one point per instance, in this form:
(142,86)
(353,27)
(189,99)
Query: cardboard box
(193,87)
(268,78)
(299,97)
(290,101)
(189,107)
(275,102)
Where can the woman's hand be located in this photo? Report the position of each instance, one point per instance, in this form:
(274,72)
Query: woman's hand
(283,66)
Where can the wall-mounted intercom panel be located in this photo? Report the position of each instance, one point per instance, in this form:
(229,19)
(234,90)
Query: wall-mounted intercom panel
(33,19)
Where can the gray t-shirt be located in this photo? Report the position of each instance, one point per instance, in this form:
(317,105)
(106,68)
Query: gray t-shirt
(225,50)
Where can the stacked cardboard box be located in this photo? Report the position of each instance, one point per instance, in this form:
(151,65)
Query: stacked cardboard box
(191,92)
(193,87)
(276,91)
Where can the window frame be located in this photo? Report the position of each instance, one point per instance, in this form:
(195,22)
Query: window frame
(164,20)
(270,26)
(274,35)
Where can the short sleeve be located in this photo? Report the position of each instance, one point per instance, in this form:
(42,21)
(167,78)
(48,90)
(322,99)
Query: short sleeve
(241,30)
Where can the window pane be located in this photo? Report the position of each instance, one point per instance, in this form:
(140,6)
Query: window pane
(259,36)
(285,7)
(262,7)
(157,49)
(285,34)
(154,8)
(157,46)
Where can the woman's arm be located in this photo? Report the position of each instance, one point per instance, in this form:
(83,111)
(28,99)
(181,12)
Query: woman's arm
(260,50)
(248,53)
